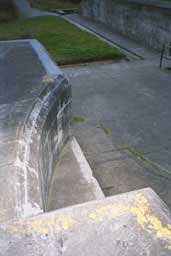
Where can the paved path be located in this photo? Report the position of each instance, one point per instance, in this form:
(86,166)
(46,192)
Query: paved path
(126,124)
(25,8)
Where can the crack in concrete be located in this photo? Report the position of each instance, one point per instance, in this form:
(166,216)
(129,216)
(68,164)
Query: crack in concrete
(155,166)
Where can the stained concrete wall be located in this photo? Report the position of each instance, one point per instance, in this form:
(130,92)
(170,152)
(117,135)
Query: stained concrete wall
(55,132)
(148,22)
(35,103)
(50,132)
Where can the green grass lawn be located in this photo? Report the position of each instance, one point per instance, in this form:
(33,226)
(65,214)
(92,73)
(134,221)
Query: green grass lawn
(52,4)
(66,43)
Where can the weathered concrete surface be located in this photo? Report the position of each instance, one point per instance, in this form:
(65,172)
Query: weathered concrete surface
(136,223)
(125,109)
(54,128)
(34,98)
(73,181)
(146,21)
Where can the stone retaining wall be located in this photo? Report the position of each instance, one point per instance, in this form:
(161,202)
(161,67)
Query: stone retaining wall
(148,22)
(50,131)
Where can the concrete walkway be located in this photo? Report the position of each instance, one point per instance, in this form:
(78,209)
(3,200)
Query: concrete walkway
(25,8)
(125,111)
(125,127)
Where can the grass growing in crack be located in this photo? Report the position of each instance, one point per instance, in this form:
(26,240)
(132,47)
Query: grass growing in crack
(104,129)
(147,161)
(78,119)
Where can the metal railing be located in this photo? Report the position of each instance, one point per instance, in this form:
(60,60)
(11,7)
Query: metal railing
(165,53)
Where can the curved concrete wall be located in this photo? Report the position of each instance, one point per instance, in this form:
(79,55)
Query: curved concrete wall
(47,127)
(149,23)
(55,133)
(35,113)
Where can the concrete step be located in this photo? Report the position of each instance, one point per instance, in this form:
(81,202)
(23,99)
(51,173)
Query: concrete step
(72,182)
(132,224)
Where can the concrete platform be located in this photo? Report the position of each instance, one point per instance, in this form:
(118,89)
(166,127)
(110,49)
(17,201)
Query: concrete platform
(136,223)
(73,182)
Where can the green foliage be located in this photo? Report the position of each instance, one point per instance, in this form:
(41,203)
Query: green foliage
(8,10)
(78,119)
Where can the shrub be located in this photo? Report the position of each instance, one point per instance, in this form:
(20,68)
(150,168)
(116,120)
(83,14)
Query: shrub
(8,10)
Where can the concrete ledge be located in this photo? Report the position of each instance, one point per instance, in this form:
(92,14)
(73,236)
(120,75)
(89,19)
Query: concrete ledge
(35,114)
(131,224)
(86,171)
